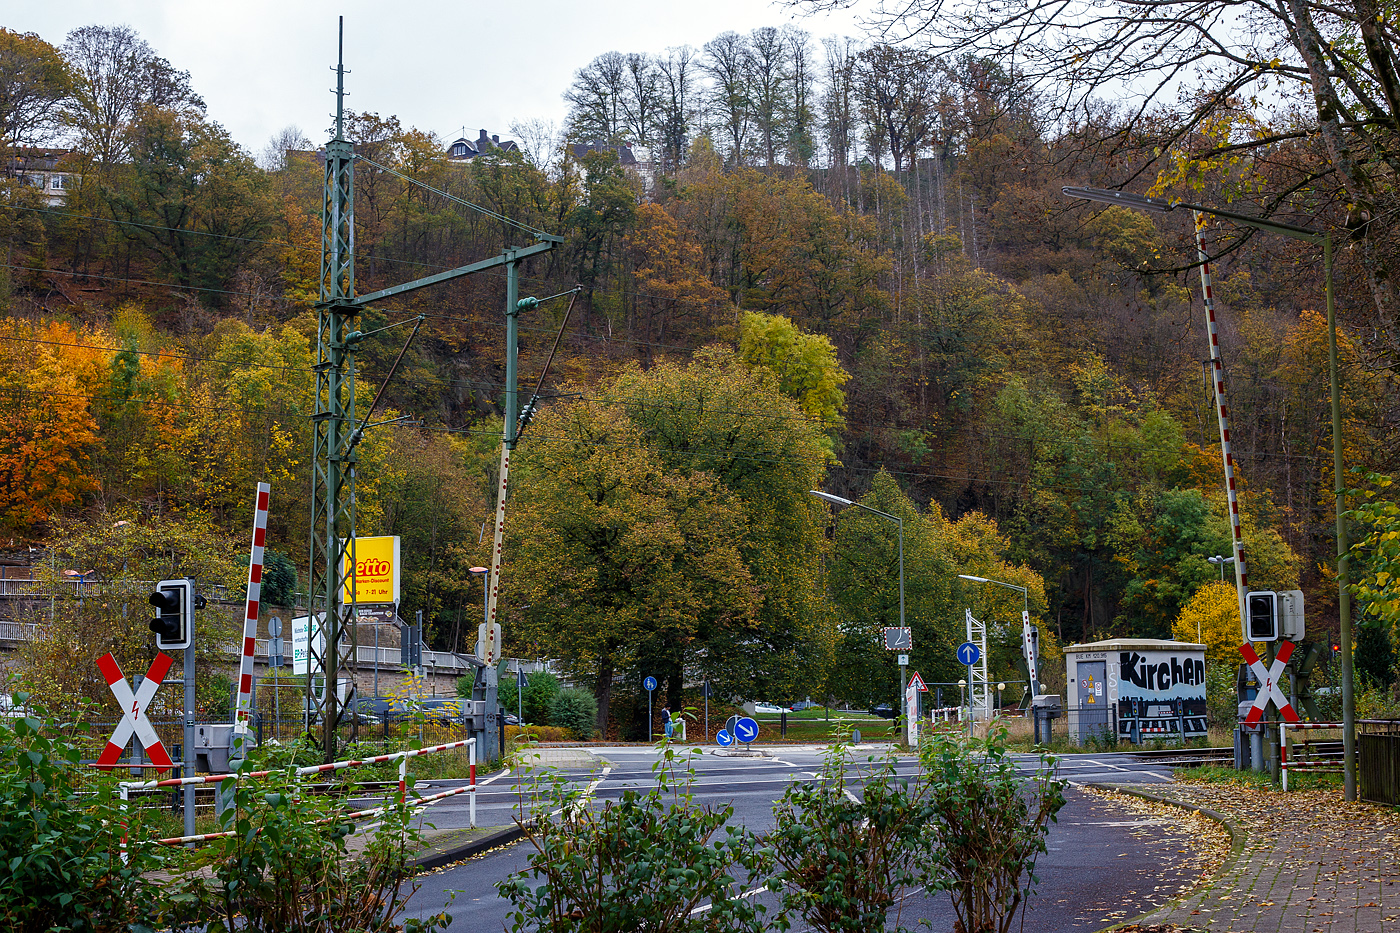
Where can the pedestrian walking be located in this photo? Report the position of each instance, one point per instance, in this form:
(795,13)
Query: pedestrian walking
(666,720)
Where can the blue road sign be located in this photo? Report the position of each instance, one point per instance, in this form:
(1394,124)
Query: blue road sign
(968,653)
(746,730)
(724,738)
(649,684)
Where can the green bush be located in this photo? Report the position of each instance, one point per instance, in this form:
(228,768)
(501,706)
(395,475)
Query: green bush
(575,710)
(61,827)
(541,688)
(642,862)
(286,867)
(987,826)
(841,861)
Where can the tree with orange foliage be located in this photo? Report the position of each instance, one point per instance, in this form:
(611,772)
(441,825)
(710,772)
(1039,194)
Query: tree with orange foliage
(46,427)
(673,293)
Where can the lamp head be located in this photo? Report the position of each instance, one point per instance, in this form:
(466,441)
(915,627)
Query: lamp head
(1119,198)
(828,497)
(964,576)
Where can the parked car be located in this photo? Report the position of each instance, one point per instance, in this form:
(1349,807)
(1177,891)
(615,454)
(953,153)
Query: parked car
(884,711)
(443,712)
(511,719)
(768,709)
(800,705)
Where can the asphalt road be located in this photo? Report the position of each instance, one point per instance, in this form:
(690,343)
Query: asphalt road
(1104,864)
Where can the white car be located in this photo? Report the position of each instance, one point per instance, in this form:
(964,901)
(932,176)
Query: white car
(768,708)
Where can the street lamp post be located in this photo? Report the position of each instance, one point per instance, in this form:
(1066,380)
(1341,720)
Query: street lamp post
(1025,622)
(1220,561)
(1162,206)
(843,503)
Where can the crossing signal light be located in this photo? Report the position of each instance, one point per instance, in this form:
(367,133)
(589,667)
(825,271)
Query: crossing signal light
(1261,608)
(174,601)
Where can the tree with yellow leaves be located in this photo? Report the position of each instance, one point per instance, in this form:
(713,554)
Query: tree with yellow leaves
(1212,617)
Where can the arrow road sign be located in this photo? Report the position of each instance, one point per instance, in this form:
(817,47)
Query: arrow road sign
(746,730)
(968,653)
(649,684)
(917,683)
(134,711)
(724,738)
(1269,683)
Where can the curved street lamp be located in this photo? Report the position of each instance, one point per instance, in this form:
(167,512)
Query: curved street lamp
(841,502)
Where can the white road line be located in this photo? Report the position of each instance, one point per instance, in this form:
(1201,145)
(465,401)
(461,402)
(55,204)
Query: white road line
(754,892)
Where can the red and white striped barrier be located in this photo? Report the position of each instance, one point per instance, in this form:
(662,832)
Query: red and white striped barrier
(1333,765)
(401,757)
(250,616)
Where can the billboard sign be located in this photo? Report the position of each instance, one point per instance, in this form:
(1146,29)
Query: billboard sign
(377,570)
(304,628)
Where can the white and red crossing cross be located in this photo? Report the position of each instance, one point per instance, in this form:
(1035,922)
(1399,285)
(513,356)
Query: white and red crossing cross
(134,711)
(1269,683)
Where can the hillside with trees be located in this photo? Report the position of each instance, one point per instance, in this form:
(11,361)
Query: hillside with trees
(842,265)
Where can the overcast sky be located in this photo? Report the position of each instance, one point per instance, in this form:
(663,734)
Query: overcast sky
(440,66)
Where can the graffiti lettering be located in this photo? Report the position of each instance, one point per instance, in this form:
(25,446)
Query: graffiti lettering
(1163,675)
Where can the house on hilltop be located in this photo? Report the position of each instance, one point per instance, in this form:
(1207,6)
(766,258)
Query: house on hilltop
(641,168)
(463,149)
(43,169)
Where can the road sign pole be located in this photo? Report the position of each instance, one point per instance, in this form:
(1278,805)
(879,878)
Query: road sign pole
(189,736)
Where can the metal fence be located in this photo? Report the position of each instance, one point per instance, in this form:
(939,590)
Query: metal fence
(1378,762)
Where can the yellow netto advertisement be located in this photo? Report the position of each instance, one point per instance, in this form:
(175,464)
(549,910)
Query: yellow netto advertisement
(377,566)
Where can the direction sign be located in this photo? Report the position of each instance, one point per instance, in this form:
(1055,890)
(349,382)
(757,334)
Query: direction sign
(649,683)
(917,683)
(746,730)
(968,653)
(899,638)
(1269,683)
(724,738)
(134,711)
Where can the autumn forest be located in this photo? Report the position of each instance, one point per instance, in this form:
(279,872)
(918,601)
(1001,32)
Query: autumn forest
(841,264)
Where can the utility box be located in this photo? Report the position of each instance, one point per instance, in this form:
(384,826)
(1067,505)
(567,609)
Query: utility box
(213,741)
(1135,689)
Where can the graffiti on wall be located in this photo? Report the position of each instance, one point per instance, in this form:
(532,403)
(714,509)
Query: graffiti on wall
(1161,694)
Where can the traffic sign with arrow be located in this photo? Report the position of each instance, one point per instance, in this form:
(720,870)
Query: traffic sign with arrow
(968,653)
(746,730)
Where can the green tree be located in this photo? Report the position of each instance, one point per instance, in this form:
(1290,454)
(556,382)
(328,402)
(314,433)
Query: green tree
(192,197)
(118,554)
(616,558)
(804,364)
(34,84)
(864,582)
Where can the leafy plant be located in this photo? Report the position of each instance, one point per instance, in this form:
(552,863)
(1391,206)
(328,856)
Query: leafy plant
(287,867)
(575,710)
(541,688)
(643,862)
(987,825)
(840,862)
(61,830)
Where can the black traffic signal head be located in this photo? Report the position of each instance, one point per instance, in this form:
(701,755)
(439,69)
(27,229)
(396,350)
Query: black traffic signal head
(1261,610)
(174,602)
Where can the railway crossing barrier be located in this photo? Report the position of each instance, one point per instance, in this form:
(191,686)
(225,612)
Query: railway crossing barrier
(126,787)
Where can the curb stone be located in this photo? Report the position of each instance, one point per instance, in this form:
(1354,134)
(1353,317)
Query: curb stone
(1238,838)
(499,836)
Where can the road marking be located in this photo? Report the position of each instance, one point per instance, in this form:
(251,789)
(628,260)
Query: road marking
(754,892)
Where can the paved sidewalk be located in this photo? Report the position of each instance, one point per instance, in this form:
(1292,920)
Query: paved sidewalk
(1305,862)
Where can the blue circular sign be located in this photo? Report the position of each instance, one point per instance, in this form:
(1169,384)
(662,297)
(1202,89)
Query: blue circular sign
(746,730)
(968,653)
(724,738)
(649,684)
